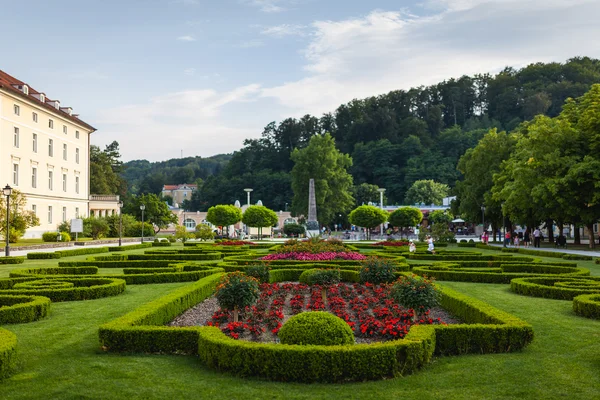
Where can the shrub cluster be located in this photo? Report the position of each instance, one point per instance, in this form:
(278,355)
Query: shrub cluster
(53,237)
(377,270)
(316,328)
(416,292)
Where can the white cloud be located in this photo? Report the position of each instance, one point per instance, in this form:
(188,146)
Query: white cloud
(268,6)
(280,31)
(187,2)
(383,51)
(189,71)
(186,38)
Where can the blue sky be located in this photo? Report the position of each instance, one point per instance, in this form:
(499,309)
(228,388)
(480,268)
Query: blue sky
(162,76)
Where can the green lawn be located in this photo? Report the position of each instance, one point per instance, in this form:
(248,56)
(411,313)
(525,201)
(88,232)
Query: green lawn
(59,358)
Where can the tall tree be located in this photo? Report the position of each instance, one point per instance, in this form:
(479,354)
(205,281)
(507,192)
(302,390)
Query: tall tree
(20,218)
(105,168)
(323,162)
(156,211)
(427,192)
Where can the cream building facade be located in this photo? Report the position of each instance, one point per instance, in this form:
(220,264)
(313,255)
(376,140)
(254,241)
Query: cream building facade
(44,153)
(180,192)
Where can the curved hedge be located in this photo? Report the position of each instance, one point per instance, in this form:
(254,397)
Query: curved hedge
(21,309)
(8,350)
(545,287)
(170,256)
(86,288)
(502,273)
(53,271)
(587,305)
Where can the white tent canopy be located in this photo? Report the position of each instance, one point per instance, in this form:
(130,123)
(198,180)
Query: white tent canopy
(457,220)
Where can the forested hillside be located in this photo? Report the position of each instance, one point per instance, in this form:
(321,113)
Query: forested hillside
(394,139)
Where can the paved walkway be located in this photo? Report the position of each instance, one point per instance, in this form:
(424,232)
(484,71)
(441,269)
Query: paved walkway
(553,250)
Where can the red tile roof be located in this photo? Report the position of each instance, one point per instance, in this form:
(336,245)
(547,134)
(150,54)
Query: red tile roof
(7,81)
(180,186)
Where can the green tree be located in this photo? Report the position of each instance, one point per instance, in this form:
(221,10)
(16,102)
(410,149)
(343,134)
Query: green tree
(323,162)
(294,230)
(182,233)
(224,215)
(128,221)
(368,217)
(259,217)
(157,212)
(20,219)
(105,169)
(204,232)
(406,217)
(365,193)
(427,191)
(440,217)
(98,227)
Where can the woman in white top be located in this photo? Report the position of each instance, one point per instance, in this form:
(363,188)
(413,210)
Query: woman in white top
(430,247)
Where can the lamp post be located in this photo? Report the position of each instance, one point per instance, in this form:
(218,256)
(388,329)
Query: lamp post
(381,190)
(143,207)
(248,190)
(7,192)
(121,222)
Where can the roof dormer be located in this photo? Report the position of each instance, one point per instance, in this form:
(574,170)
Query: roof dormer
(68,110)
(54,103)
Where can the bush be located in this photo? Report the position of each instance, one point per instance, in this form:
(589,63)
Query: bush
(260,272)
(80,252)
(53,237)
(22,309)
(84,289)
(204,232)
(587,305)
(415,292)
(377,270)
(322,277)
(8,352)
(157,243)
(316,328)
(236,291)
(12,260)
(42,256)
(294,230)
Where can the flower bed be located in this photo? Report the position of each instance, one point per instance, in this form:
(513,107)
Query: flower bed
(306,256)
(367,309)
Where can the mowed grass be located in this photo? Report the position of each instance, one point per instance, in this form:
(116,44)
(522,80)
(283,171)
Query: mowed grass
(60,358)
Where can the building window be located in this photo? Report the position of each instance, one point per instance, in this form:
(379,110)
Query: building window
(65,129)
(16,174)
(50,179)
(77,155)
(34,209)
(34,116)
(77,184)
(17,109)
(49,214)
(76,134)
(64,182)
(76,212)
(16,137)
(35,142)
(34,177)
(64,216)
(64,151)
(51,147)
(50,124)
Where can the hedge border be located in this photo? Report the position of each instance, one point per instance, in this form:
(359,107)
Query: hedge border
(99,287)
(12,260)
(8,352)
(587,305)
(542,287)
(130,247)
(23,309)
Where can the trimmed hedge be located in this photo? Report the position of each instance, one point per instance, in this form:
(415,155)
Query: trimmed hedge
(545,287)
(587,305)
(130,247)
(22,309)
(161,244)
(42,256)
(8,352)
(12,260)
(54,271)
(87,288)
(80,252)
(487,329)
(184,257)
(143,330)
(317,363)
(128,264)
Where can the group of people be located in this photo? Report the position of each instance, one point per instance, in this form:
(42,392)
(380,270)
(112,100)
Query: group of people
(430,247)
(515,239)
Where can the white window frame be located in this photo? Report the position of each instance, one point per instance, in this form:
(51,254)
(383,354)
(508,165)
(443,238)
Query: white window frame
(49,214)
(15,174)
(64,182)
(34,209)
(34,177)
(50,180)
(34,116)
(35,142)
(64,214)
(76,134)
(65,129)
(16,137)
(50,124)
(77,155)
(65,150)
(50,147)
(77,184)
(17,109)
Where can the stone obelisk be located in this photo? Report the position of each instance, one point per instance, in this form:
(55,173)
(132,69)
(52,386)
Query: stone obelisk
(312,225)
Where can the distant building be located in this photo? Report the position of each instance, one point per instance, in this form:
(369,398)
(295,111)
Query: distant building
(44,153)
(179,193)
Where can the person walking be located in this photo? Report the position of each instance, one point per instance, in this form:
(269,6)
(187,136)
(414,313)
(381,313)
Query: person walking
(537,234)
(430,247)
(526,238)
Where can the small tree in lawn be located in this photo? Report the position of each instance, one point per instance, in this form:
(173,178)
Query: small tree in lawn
(224,215)
(405,217)
(204,232)
(322,277)
(20,219)
(236,291)
(181,233)
(367,217)
(259,217)
(416,292)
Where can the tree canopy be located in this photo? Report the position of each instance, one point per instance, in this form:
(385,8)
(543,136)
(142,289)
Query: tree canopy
(224,215)
(406,217)
(20,218)
(427,191)
(367,217)
(105,169)
(157,212)
(259,217)
(321,161)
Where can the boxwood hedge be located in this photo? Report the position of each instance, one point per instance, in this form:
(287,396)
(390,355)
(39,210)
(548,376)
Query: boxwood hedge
(21,309)
(8,350)
(12,260)
(85,288)
(546,287)
(587,305)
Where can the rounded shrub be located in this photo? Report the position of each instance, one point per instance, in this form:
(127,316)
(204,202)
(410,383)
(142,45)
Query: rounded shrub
(316,328)
(377,270)
(322,277)
(53,237)
(260,272)
(415,292)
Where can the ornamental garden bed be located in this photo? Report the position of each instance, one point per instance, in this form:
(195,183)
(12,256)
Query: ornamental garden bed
(367,309)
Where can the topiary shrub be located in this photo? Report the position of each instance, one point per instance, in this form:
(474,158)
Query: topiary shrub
(237,290)
(321,277)
(260,272)
(316,328)
(416,292)
(377,270)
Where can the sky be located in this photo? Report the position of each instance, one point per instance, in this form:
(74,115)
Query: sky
(167,78)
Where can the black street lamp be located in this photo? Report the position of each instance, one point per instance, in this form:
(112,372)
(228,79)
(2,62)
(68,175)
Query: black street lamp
(7,192)
(143,207)
(121,222)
